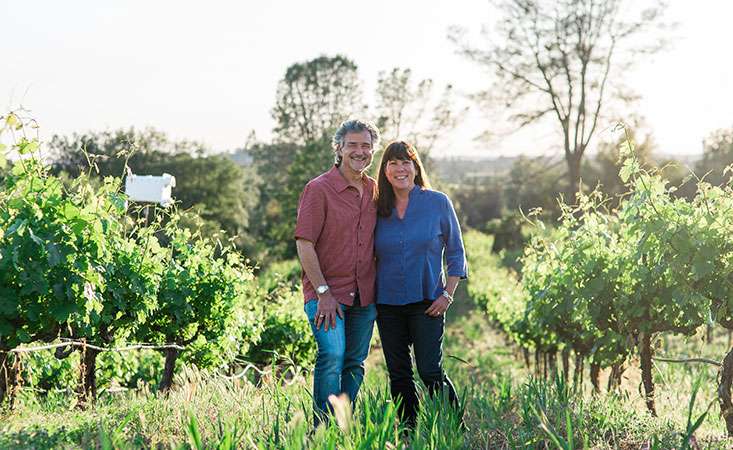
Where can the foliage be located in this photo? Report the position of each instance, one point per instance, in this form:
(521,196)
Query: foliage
(717,154)
(109,151)
(206,299)
(541,192)
(217,188)
(314,97)
(565,62)
(406,110)
(494,288)
(271,162)
(602,170)
(53,249)
(75,265)
(507,232)
(280,273)
(478,201)
(286,336)
(131,370)
(606,281)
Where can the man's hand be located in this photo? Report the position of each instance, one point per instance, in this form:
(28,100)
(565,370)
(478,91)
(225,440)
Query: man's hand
(439,307)
(326,312)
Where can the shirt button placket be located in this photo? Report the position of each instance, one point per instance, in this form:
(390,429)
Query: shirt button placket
(402,262)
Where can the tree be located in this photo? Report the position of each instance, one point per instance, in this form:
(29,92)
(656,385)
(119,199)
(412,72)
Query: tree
(717,154)
(284,169)
(478,200)
(109,150)
(220,191)
(271,163)
(314,97)
(408,111)
(534,183)
(216,188)
(563,60)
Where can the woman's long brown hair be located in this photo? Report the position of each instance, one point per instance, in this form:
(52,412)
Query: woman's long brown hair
(397,150)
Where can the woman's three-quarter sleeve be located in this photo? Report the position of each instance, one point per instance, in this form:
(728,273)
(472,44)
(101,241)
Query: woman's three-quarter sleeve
(455,255)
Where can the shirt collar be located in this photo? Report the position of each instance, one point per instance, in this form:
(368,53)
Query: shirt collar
(337,181)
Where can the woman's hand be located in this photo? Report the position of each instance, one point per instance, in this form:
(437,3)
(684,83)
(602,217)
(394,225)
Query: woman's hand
(439,307)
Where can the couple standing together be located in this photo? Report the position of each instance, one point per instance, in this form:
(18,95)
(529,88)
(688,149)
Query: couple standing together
(373,250)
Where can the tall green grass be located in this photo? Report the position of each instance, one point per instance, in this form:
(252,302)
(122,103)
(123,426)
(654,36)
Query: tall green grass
(505,408)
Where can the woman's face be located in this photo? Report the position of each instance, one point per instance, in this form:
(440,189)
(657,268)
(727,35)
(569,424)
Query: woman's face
(400,174)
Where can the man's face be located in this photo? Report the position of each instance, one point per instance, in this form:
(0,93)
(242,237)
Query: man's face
(356,153)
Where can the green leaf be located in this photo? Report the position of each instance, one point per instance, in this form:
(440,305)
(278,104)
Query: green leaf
(62,312)
(54,256)
(25,146)
(70,211)
(630,167)
(8,306)
(23,336)
(17,227)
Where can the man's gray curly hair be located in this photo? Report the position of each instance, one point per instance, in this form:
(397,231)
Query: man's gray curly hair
(353,126)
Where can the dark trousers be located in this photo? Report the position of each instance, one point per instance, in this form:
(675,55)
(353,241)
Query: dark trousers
(402,326)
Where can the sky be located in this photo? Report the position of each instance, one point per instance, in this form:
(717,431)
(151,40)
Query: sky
(208,71)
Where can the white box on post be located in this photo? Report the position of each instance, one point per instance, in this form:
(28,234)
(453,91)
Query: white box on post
(150,188)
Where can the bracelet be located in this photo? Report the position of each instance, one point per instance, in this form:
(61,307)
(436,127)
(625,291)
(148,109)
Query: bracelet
(448,296)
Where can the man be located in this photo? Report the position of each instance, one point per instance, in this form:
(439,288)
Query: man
(335,241)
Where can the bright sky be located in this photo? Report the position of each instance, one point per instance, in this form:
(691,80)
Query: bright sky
(208,70)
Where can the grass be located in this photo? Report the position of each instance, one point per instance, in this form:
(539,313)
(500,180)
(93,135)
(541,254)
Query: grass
(504,408)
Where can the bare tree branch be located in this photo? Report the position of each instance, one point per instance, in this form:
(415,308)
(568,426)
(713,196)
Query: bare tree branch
(563,56)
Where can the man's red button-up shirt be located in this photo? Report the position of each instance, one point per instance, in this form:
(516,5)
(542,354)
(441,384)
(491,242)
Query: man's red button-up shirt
(340,223)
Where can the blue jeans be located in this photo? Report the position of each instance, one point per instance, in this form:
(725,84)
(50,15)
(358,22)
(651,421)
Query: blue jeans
(341,354)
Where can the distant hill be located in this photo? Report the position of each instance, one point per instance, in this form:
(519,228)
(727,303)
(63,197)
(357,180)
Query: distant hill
(462,167)
(467,167)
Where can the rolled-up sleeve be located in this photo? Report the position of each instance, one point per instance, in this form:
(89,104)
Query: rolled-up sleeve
(455,255)
(311,214)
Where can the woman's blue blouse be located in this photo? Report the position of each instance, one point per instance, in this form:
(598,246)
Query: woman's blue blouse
(410,250)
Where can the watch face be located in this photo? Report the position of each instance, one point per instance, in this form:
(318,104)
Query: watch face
(321,289)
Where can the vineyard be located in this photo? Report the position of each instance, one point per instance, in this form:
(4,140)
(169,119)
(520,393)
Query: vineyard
(121,328)
(605,285)
(83,270)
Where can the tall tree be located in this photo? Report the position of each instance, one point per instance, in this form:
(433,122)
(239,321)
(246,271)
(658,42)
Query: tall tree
(564,59)
(283,170)
(408,109)
(314,97)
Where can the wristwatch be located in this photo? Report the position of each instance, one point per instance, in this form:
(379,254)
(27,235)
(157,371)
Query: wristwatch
(322,289)
(447,295)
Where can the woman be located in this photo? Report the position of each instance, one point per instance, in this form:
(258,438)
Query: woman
(416,228)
